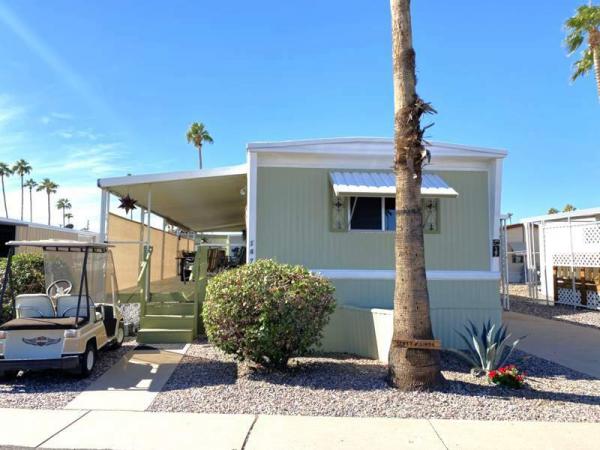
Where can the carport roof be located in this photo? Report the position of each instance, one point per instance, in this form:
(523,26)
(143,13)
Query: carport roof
(198,200)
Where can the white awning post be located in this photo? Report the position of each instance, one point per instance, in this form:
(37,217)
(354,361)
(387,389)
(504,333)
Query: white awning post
(104,209)
(148,231)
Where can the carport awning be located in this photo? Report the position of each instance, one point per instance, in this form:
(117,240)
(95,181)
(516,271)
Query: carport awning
(199,200)
(383,184)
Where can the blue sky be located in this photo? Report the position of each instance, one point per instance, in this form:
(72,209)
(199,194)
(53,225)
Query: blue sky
(94,89)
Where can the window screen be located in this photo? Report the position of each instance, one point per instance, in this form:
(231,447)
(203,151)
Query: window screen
(390,214)
(365,213)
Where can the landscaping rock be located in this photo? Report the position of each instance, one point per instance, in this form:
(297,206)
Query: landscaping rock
(209,381)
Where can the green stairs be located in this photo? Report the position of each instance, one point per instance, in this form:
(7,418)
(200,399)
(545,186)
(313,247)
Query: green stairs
(173,317)
(167,323)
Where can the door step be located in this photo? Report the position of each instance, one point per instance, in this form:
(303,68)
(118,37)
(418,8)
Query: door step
(164,336)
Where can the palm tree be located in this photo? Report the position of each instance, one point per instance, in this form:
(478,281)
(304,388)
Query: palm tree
(30,184)
(198,135)
(50,187)
(5,172)
(22,168)
(553,211)
(64,204)
(586,21)
(68,216)
(410,368)
(568,208)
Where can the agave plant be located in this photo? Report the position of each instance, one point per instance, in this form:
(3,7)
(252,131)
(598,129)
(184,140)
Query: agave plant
(488,348)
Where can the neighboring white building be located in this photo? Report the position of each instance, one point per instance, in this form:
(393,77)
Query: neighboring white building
(564,265)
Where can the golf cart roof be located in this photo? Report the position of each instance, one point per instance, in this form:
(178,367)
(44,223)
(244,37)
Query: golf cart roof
(61,244)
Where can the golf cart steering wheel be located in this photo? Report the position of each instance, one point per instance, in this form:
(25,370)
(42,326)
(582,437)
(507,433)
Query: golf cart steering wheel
(59,287)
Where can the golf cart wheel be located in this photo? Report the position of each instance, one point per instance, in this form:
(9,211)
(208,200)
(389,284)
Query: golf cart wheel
(87,360)
(119,337)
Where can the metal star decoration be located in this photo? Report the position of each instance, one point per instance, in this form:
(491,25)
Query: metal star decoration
(127,203)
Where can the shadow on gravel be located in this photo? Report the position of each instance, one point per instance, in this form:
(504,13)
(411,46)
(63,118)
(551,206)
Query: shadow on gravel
(57,381)
(533,367)
(196,372)
(331,375)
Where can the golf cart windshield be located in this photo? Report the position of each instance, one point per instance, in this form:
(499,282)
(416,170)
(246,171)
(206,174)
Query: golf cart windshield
(77,276)
(64,268)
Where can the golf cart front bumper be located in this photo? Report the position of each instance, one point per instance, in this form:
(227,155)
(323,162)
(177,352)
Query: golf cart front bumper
(64,363)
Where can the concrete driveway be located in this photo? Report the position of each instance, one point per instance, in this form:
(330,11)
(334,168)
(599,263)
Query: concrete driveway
(572,346)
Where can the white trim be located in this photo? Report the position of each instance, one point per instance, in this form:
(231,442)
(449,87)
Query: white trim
(172,176)
(364,161)
(495,197)
(370,145)
(432,275)
(251,195)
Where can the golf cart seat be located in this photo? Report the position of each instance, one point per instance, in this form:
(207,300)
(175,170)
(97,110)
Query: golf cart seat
(34,305)
(66,306)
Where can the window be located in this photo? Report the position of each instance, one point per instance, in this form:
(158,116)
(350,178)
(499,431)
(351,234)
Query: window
(365,213)
(517,259)
(379,214)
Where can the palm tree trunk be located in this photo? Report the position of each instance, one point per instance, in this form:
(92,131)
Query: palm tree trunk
(596,55)
(409,368)
(63,213)
(4,196)
(48,208)
(30,206)
(22,197)
(200,156)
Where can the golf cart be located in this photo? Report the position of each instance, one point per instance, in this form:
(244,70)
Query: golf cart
(77,315)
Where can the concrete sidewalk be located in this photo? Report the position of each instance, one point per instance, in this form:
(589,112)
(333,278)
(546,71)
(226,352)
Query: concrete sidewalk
(133,382)
(570,345)
(148,430)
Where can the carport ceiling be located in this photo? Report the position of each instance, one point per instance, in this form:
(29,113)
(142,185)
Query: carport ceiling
(200,200)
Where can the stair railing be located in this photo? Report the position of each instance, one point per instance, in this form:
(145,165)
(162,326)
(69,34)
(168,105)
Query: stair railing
(199,278)
(143,279)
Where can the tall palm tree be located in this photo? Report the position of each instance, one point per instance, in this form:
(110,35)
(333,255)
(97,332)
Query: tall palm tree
(568,208)
(198,135)
(586,21)
(5,172)
(68,216)
(50,187)
(64,204)
(410,368)
(22,168)
(30,184)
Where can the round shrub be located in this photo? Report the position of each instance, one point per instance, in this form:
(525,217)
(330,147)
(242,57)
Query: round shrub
(27,278)
(267,312)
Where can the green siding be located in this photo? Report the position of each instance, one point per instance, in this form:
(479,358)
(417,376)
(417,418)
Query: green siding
(354,328)
(455,294)
(293,214)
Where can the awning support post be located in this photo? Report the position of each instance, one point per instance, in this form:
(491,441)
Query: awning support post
(104,208)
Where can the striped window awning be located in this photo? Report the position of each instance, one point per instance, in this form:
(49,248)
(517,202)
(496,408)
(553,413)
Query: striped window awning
(383,184)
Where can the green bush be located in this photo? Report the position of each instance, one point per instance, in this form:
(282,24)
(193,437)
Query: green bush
(27,278)
(267,312)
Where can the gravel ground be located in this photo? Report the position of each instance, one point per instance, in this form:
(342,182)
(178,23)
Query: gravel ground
(54,389)
(341,385)
(520,302)
(131,313)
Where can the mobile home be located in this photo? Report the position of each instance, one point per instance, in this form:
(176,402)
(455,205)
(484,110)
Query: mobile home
(328,204)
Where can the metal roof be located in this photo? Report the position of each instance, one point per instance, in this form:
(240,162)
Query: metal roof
(578,213)
(384,184)
(199,200)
